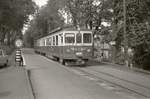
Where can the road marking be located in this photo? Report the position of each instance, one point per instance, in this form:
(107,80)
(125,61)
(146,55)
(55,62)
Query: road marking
(91,78)
(121,91)
(110,87)
(78,72)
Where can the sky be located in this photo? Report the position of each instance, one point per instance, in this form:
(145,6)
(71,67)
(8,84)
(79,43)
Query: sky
(40,2)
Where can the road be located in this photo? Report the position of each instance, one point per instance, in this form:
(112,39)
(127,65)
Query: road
(51,80)
(14,84)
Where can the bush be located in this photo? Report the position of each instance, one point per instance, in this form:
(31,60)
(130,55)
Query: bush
(142,58)
(7,49)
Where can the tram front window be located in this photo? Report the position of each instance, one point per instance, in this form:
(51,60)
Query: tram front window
(69,38)
(79,38)
(87,37)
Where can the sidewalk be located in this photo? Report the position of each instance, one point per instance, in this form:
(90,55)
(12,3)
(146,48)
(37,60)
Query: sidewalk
(14,84)
(123,67)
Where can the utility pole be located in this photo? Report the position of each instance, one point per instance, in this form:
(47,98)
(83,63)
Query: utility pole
(125,33)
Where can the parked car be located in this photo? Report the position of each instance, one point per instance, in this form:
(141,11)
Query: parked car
(3,58)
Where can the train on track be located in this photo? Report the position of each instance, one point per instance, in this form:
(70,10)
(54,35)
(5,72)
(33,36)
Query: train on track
(67,45)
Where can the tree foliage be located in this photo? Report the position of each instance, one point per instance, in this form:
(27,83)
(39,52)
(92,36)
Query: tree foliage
(46,19)
(138,33)
(90,13)
(13,15)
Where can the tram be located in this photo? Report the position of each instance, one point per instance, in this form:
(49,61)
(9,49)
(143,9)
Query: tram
(67,45)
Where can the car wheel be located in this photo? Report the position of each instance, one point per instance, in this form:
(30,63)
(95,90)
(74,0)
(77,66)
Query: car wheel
(6,64)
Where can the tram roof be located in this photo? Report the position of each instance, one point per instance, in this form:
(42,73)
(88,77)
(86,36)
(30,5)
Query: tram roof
(68,28)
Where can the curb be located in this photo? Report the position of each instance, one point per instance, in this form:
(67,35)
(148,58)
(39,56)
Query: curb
(31,93)
(141,70)
(131,68)
(27,72)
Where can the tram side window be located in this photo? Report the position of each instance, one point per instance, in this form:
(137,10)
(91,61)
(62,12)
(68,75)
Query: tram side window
(56,39)
(79,38)
(48,41)
(61,38)
(53,40)
(87,37)
(69,38)
(43,42)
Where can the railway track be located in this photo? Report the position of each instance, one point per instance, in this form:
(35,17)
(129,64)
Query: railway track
(131,90)
(146,87)
(113,83)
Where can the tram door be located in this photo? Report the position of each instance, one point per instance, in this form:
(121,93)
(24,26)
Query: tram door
(78,40)
(61,45)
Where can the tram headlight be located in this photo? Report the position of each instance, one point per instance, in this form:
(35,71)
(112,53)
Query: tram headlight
(88,50)
(68,50)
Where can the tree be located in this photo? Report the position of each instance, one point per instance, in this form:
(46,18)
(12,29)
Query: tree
(46,19)
(14,14)
(90,13)
(137,28)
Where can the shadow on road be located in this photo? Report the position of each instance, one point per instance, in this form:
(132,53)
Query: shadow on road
(5,94)
(4,67)
(90,63)
(94,63)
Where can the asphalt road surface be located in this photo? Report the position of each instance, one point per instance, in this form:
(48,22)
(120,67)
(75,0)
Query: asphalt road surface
(51,80)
